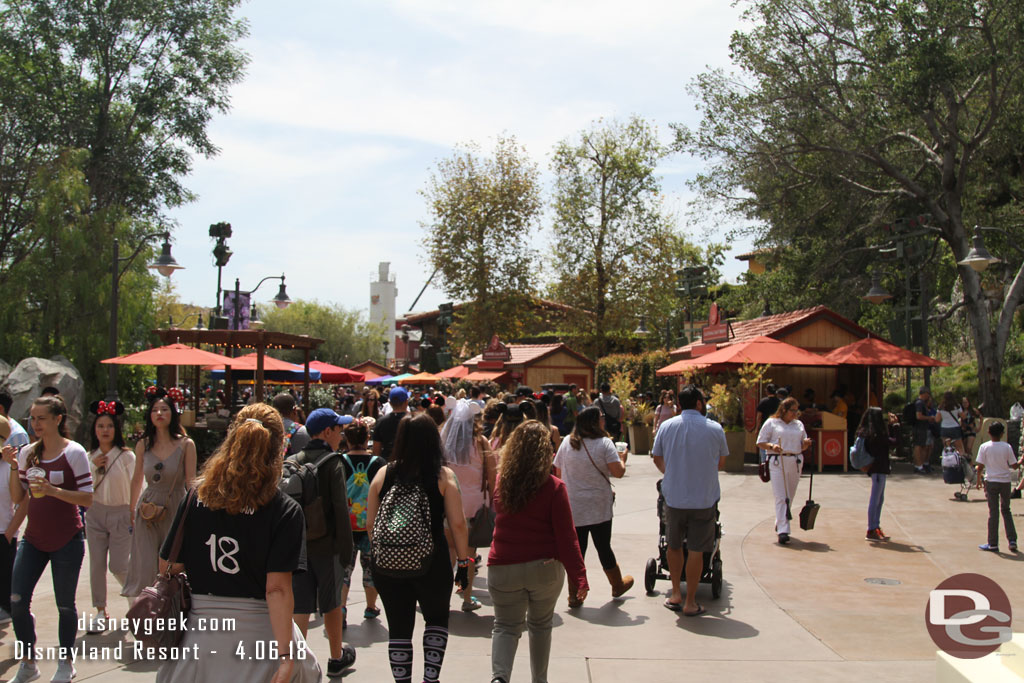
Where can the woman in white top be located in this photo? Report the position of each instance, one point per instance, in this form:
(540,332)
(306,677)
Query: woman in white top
(586,461)
(784,439)
(950,428)
(467,454)
(108,526)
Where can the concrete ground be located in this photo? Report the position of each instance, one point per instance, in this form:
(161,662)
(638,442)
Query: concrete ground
(805,611)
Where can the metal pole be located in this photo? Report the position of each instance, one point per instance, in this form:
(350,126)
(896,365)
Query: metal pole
(112,368)
(923,304)
(906,311)
(237,295)
(216,308)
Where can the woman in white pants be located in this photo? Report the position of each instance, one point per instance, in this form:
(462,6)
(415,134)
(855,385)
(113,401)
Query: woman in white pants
(108,524)
(784,439)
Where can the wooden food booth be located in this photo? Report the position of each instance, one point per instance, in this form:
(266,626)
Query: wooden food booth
(532,365)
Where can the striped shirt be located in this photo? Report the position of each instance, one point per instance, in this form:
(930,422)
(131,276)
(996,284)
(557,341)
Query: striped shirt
(52,522)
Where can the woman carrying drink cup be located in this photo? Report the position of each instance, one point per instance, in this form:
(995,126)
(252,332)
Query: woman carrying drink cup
(586,461)
(55,470)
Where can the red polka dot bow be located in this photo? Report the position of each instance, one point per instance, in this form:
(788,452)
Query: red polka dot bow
(105,408)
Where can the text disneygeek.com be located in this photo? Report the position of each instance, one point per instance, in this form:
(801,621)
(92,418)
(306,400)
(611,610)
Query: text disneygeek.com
(155,625)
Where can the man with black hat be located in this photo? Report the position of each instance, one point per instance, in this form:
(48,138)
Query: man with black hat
(386,430)
(326,557)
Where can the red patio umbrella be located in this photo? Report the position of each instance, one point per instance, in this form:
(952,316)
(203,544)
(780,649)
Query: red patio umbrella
(458,372)
(761,350)
(335,374)
(249,360)
(876,352)
(172,354)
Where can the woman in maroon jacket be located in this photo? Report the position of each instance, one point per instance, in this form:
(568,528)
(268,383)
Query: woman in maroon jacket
(534,546)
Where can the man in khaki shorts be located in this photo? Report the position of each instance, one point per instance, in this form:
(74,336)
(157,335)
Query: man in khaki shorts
(688,450)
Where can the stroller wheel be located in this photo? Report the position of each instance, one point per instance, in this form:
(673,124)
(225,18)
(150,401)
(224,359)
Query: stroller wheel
(958,495)
(716,579)
(650,575)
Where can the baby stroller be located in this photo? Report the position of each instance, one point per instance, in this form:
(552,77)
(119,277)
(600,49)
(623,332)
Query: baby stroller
(657,568)
(957,470)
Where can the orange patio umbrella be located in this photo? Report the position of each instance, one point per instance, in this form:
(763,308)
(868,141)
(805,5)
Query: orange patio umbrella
(172,354)
(423,378)
(761,350)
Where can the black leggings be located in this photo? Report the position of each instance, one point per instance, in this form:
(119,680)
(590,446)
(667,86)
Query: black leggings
(602,534)
(433,592)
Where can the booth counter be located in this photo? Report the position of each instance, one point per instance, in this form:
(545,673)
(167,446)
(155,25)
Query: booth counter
(830,447)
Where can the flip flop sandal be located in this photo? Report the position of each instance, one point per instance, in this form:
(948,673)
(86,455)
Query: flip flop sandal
(700,611)
(674,606)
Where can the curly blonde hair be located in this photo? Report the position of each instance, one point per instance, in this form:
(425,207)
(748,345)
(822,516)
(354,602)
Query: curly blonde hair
(243,473)
(525,465)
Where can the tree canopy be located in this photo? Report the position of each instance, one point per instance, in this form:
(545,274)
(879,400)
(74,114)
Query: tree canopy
(102,107)
(848,115)
(483,211)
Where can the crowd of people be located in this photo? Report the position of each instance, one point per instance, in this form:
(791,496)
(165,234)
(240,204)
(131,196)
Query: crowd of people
(404,488)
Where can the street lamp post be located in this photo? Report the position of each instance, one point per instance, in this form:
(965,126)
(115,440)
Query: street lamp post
(691,281)
(281,299)
(164,264)
(221,255)
(405,343)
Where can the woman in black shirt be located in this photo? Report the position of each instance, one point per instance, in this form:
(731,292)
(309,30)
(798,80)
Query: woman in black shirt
(242,542)
(875,432)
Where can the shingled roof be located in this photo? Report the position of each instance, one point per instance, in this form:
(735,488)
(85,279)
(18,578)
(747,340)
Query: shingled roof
(523,354)
(776,326)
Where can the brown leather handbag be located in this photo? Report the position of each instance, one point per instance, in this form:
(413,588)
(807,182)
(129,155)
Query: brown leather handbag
(158,613)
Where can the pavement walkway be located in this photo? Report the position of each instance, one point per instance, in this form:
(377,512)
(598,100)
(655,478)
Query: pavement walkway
(812,610)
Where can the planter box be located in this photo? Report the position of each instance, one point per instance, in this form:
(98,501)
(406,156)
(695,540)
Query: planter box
(641,438)
(737,445)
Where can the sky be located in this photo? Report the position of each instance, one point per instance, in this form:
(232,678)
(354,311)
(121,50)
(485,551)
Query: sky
(347,107)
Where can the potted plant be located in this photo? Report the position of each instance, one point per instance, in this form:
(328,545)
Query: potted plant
(640,420)
(726,406)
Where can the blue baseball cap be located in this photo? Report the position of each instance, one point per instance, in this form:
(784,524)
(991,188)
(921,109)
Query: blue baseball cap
(398,395)
(324,418)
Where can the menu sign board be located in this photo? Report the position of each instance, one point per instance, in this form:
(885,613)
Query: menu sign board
(716,330)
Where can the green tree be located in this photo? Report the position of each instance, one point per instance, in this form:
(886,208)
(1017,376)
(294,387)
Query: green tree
(483,212)
(849,114)
(348,337)
(103,105)
(613,244)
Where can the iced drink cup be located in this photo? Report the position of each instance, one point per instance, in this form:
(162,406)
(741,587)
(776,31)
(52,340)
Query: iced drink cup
(35,474)
(621,446)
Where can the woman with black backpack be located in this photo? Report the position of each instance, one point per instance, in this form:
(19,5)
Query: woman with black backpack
(408,503)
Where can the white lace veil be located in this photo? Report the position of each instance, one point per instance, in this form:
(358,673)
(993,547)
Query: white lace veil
(457,432)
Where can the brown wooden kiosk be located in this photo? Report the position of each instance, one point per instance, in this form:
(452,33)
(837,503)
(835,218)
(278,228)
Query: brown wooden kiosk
(258,340)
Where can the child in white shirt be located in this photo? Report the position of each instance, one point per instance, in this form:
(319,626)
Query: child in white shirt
(995,460)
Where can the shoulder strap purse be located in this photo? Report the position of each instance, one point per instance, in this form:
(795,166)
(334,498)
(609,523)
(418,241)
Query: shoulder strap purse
(156,614)
(106,471)
(153,513)
(481,525)
(606,477)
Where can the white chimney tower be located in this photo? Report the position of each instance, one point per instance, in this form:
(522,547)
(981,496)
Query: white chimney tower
(383,294)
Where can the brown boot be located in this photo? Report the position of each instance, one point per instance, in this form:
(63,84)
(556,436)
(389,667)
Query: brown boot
(620,584)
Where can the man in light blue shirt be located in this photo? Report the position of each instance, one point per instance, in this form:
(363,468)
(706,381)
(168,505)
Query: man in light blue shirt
(689,449)
(18,437)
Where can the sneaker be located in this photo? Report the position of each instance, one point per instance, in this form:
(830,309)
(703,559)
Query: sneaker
(1015,493)
(927,468)
(783,539)
(881,534)
(336,667)
(65,672)
(371,612)
(1013,547)
(28,671)
(989,548)
(5,618)
(873,535)
(471,606)
(97,623)
(920,470)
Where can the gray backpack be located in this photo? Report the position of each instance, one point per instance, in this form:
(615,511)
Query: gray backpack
(402,544)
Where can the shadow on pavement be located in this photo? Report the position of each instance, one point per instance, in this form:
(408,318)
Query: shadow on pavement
(715,624)
(609,614)
(898,547)
(362,633)
(470,624)
(809,546)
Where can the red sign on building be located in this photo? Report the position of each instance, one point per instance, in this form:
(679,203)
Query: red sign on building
(716,330)
(495,355)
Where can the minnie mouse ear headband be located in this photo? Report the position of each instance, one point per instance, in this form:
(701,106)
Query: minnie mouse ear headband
(112,408)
